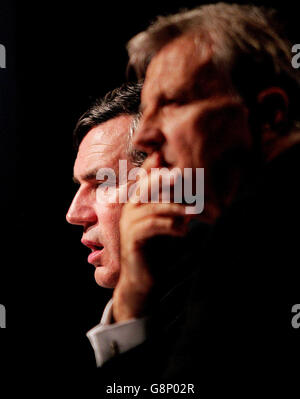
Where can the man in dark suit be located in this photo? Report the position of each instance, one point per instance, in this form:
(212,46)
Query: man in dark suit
(220,94)
(103,140)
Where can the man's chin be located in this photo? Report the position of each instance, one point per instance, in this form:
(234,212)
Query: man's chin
(106,278)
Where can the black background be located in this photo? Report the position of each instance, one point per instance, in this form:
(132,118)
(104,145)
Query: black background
(60,56)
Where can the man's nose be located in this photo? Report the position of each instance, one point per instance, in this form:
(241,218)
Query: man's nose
(81,211)
(148,137)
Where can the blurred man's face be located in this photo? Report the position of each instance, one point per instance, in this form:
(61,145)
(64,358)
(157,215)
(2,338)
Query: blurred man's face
(190,117)
(102,147)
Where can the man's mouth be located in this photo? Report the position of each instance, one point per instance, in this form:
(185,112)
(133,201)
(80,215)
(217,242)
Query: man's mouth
(96,248)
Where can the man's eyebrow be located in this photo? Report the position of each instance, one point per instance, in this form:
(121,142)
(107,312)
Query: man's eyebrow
(89,175)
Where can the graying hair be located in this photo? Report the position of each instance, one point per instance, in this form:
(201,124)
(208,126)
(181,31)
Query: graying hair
(124,100)
(245,41)
(135,156)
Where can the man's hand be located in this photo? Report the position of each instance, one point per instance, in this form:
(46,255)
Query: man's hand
(140,222)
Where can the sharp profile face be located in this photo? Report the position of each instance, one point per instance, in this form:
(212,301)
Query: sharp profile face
(102,147)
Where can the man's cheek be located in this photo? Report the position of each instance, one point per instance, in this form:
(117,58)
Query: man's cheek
(109,214)
(122,193)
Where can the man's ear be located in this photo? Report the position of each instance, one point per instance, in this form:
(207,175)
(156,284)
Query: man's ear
(273,104)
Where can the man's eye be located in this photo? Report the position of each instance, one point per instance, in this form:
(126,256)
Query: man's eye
(104,184)
(168,101)
(101,184)
(174,101)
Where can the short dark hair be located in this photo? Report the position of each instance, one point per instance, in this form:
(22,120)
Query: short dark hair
(124,100)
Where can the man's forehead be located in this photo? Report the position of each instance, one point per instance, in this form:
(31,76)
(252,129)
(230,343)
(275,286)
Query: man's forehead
(107,134)
(176,64)
(177,52)
(103,145)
